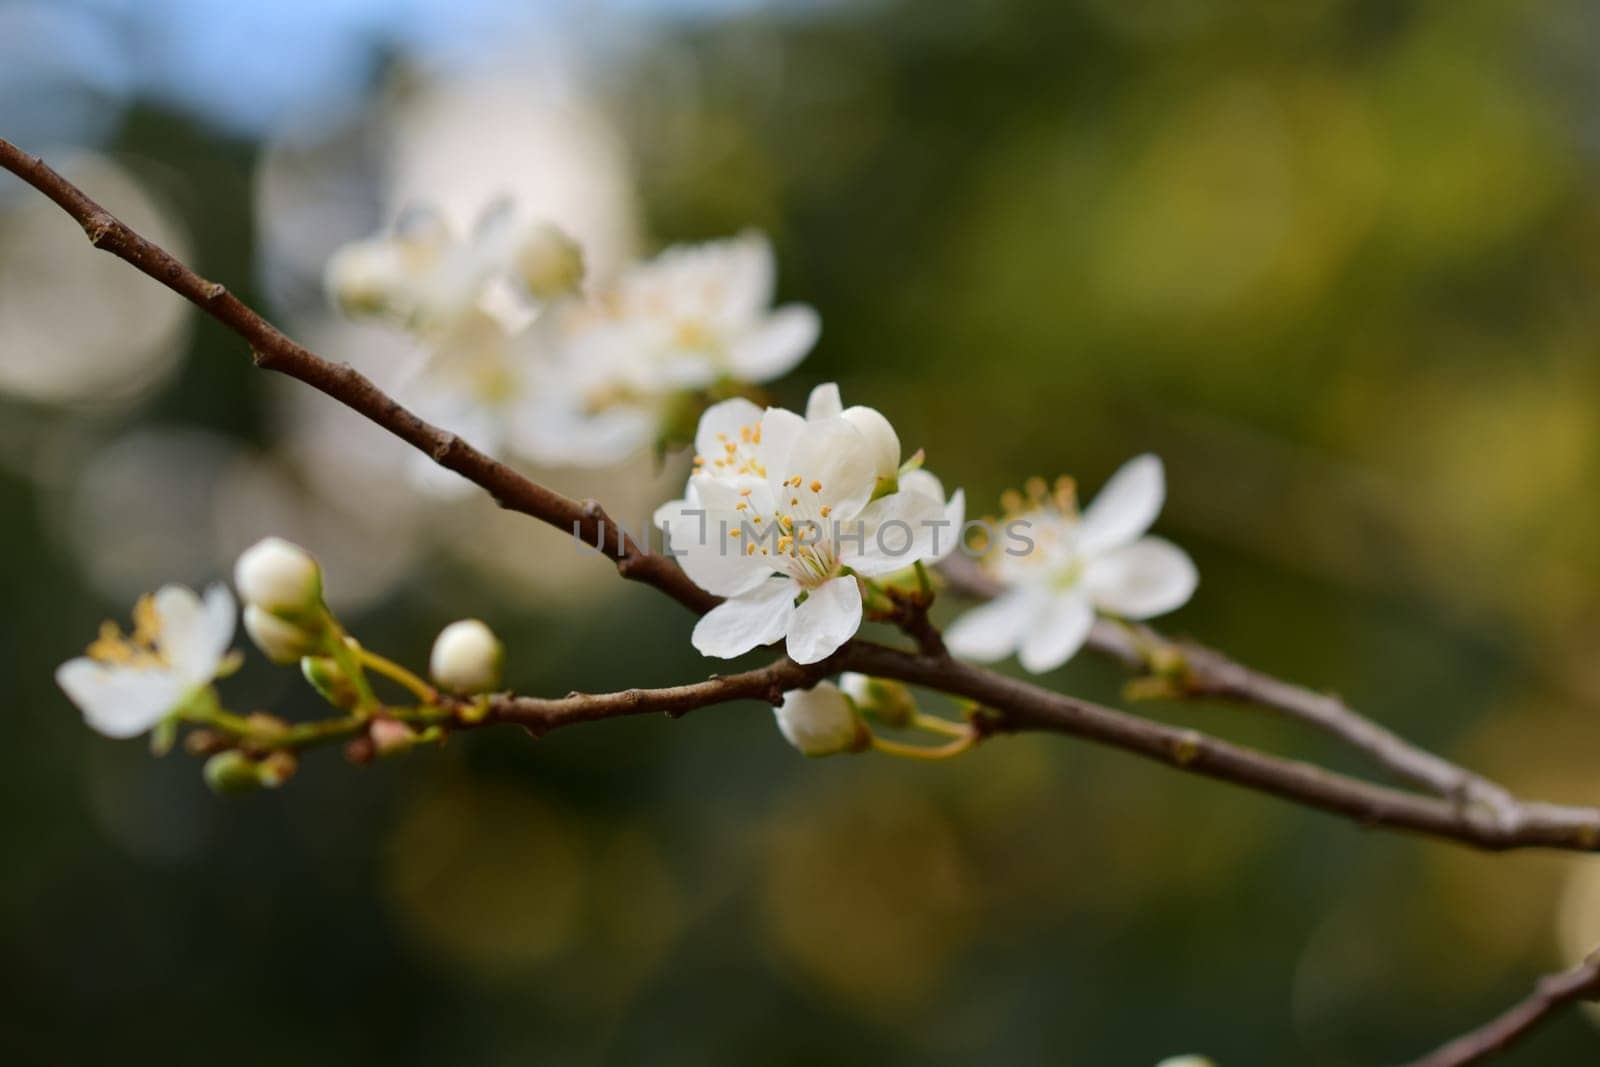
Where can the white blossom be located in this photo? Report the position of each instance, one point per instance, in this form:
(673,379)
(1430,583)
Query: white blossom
(1058,569)
(467,657)
(820,721)
(780,518)
(547,262)
(423,274)
(1186,1061)
(699,313)
(128,683)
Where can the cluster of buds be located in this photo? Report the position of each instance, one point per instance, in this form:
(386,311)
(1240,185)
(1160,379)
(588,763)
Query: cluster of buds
(161,676)
(829,719)
(281,586)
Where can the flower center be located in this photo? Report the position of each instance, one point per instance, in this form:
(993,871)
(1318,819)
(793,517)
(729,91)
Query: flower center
(141,649)
(796,536)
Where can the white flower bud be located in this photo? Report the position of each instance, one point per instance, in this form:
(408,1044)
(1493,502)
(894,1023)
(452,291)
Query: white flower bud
(820,721)
(467,658)
(882,441)
(885,700)
(279,576)
(280,640)
(549,263)
(1186,1061)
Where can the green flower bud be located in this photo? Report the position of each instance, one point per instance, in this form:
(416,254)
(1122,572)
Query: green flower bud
(325,676)
(231,772)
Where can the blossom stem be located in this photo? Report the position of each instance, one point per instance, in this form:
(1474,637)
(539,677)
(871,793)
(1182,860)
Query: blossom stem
(968,739)
(936,725)
(420,689)
(347,653)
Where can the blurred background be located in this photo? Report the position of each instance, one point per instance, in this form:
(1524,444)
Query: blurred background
(1335,261)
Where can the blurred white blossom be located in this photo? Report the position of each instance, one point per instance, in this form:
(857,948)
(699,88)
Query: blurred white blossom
(128,683)
(593,378)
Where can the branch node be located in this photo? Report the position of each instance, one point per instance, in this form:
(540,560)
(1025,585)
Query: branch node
(99,225)
(441,451)
(1186,748)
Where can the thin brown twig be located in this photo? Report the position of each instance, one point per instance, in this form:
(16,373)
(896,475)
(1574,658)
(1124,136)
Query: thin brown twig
(1015,706)
(1012,705)
(540,715)
(1198,672)
(1550,994)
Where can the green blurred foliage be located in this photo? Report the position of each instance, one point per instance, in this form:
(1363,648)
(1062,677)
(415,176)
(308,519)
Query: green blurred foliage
(1335,261)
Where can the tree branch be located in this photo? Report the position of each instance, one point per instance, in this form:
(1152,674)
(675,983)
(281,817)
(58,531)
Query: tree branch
(1017,706)
(1497,822)
(1198,672)
(540,715)
(1552,993)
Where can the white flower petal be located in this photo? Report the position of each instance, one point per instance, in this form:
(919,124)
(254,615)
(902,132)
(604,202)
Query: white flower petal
(924,481)
(780,429)
(775,346)
(1150,577)
(119,701)
(876,430)
(824,402)
(1057,633)
(829,617)
(831,455)
(955,509)
(547,432)
(994,630)
(747,270)
(222,615)
(895,531)
(1125,508)
(758,617)
(722,422)
(703,543)
(194,636)
(955,513)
